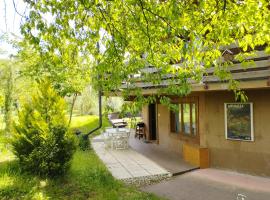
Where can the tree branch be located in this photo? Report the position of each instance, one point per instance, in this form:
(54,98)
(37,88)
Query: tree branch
(14,5)
(5,7)
(147,24)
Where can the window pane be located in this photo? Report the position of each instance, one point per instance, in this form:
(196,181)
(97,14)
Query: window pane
(186,118)
(194,119)
(175,121)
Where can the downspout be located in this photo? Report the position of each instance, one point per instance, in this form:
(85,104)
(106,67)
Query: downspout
(99,108)
(100,115)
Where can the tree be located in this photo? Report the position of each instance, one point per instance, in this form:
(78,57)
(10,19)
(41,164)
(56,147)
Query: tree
(139,33)
(14,89)
(66,69)
(42,140)
(7,86)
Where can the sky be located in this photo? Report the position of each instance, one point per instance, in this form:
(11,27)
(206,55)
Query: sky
(10,23)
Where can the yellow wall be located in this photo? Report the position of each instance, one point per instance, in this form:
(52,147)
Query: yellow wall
(250,157)
(167,139)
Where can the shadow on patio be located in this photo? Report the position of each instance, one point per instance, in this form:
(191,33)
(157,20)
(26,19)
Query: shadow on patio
(171,161)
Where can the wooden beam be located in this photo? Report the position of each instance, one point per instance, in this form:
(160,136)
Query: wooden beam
(241,75)
(240,66)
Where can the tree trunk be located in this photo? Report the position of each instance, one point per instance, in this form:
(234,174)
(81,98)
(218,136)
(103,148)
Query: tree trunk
(8,100)
(72,107)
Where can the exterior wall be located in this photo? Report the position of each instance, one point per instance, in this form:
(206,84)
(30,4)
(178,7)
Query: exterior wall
(170,140)
(243,156)
(145,120)
(167,139)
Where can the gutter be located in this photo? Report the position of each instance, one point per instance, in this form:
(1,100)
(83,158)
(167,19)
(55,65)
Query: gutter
(100,116)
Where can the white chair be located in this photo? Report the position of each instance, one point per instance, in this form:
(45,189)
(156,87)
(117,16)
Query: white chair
(107,129)
(107,138)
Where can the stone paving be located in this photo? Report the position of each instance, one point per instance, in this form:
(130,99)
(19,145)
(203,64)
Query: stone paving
(128,165)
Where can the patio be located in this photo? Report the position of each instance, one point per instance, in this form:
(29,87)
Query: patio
(142,163)
(171,161)
(128,165)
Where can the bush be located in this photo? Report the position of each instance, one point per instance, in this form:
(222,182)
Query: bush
(84,143)
(42,141)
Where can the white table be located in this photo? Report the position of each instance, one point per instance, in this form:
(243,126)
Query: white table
(118,122)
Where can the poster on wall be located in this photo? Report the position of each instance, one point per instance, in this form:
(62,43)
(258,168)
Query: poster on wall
(239,121)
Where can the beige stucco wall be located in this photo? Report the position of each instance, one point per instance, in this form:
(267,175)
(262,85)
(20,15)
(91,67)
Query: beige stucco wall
(145,120)
(164,138)
(250,157)
(167,139)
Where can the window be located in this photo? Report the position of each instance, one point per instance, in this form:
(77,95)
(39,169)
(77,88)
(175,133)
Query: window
(184,120)
(239,121)
(175,121)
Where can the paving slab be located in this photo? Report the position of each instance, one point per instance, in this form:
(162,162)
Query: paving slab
(129,165)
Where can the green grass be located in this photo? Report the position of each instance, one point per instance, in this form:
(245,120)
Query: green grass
(87,123)
(88,178)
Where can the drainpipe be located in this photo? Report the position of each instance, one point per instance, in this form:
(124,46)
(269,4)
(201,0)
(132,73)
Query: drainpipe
(99,107)
(100,116)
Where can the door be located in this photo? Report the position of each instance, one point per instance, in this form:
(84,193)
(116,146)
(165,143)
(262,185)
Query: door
(152,122)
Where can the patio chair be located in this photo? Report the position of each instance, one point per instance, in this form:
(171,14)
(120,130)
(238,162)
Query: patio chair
(107,128)
(140,130)
(107,140)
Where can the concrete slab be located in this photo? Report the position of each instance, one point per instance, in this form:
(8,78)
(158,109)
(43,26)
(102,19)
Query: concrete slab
(213,184)
(171,161)
(129,165)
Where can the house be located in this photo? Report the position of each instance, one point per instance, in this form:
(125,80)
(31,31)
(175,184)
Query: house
(211,129)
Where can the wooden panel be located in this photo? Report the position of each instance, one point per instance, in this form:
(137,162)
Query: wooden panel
(204,158)
(191,154)
(236,76)
(258,54)
(241,76)
(239,66)
(196,155)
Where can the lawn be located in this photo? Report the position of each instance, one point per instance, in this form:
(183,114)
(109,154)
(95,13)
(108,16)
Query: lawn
(87,123)
(88,178)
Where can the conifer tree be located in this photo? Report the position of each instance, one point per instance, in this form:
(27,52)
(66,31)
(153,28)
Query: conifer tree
(41,139)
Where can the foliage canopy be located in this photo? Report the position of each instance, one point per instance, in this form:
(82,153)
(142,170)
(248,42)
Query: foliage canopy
(133,34)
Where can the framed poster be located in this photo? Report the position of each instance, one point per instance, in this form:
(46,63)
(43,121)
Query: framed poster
(239,121)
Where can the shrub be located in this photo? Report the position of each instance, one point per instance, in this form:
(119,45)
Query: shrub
(41,140)
(84,143)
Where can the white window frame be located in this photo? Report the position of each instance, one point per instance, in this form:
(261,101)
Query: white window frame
(251,121)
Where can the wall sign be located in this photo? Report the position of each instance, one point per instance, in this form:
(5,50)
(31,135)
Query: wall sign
(239,121)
